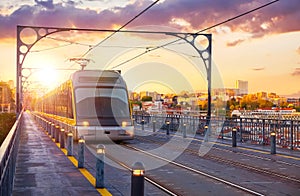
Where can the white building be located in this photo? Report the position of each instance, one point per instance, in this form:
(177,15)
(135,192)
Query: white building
(242,87)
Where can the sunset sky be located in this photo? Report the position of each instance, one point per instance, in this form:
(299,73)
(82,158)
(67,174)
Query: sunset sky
(262,47)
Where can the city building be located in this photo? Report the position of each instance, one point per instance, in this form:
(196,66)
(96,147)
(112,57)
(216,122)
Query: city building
(6,97)
(242,87)
(293,102)
(262,95)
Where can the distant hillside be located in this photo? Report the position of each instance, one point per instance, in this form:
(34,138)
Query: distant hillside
(294,95)
(7,120)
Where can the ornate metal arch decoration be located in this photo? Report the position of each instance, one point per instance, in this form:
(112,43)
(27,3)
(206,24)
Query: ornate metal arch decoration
(41,32)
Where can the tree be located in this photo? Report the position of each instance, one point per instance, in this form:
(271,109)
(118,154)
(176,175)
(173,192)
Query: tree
(146,98)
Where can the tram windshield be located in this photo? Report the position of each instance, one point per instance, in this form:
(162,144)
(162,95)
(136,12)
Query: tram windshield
(102,103)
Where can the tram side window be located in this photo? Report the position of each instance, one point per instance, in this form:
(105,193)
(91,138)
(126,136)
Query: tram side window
(69,103)
(61,107)
(52,104)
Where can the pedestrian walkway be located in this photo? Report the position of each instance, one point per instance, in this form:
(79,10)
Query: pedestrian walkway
(43,169)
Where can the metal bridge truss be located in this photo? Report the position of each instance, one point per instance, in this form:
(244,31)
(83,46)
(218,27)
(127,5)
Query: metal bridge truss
(41,32)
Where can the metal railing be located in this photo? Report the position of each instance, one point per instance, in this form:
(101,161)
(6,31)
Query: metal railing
(8,156)
(251,130)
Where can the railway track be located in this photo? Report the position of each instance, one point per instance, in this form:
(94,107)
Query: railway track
(237,163)
(244,189)
(167,185)
(147,178)
(127,167)
(248,154)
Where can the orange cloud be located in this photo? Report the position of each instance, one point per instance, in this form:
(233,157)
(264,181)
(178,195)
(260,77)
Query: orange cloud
(280,17)
(234,43)
(296,72)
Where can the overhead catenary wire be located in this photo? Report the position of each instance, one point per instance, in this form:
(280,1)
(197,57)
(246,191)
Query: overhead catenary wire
(127,23)
(205,29)
(97,45)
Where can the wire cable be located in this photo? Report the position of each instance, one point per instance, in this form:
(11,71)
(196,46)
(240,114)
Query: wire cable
(213,26)
(127,23)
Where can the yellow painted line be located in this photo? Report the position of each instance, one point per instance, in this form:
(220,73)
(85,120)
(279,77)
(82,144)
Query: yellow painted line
(253,150)
(84,172)
(287,156)
(104,192)
(262,152)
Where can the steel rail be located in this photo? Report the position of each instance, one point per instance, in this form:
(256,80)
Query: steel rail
(242,165)
(199,172)
(147,178)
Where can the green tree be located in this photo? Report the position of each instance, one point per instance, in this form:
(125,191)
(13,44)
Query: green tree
(146,98)
(135,102)
(7,120)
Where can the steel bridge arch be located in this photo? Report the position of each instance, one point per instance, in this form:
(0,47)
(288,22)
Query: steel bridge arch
(41,32)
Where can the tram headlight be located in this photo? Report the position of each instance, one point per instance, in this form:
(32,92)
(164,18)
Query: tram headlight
(85,123)
(124,123)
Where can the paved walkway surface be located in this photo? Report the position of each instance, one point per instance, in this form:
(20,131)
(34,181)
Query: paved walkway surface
(43,169)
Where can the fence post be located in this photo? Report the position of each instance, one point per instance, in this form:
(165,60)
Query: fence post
(241,129)
(137,179)
(263,132)
(100,166)
(292,135)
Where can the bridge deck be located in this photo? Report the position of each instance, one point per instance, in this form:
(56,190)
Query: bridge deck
(43,169)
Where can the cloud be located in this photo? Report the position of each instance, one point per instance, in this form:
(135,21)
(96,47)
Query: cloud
(296,72)
(234,43)
(258,68)
(46,3)
(280,17)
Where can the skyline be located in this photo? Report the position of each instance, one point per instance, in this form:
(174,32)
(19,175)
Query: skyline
(260,48)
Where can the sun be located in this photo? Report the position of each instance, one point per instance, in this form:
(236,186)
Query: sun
(48,77)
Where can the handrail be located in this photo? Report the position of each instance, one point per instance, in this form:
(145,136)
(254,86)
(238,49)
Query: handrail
(8,155)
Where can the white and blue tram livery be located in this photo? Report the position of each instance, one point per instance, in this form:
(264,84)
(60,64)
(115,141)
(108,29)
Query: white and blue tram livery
(92,104)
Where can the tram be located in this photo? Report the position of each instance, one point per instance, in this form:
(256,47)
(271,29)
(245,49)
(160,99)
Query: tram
(93,104)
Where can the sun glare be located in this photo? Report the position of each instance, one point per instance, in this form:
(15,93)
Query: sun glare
(48,77)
